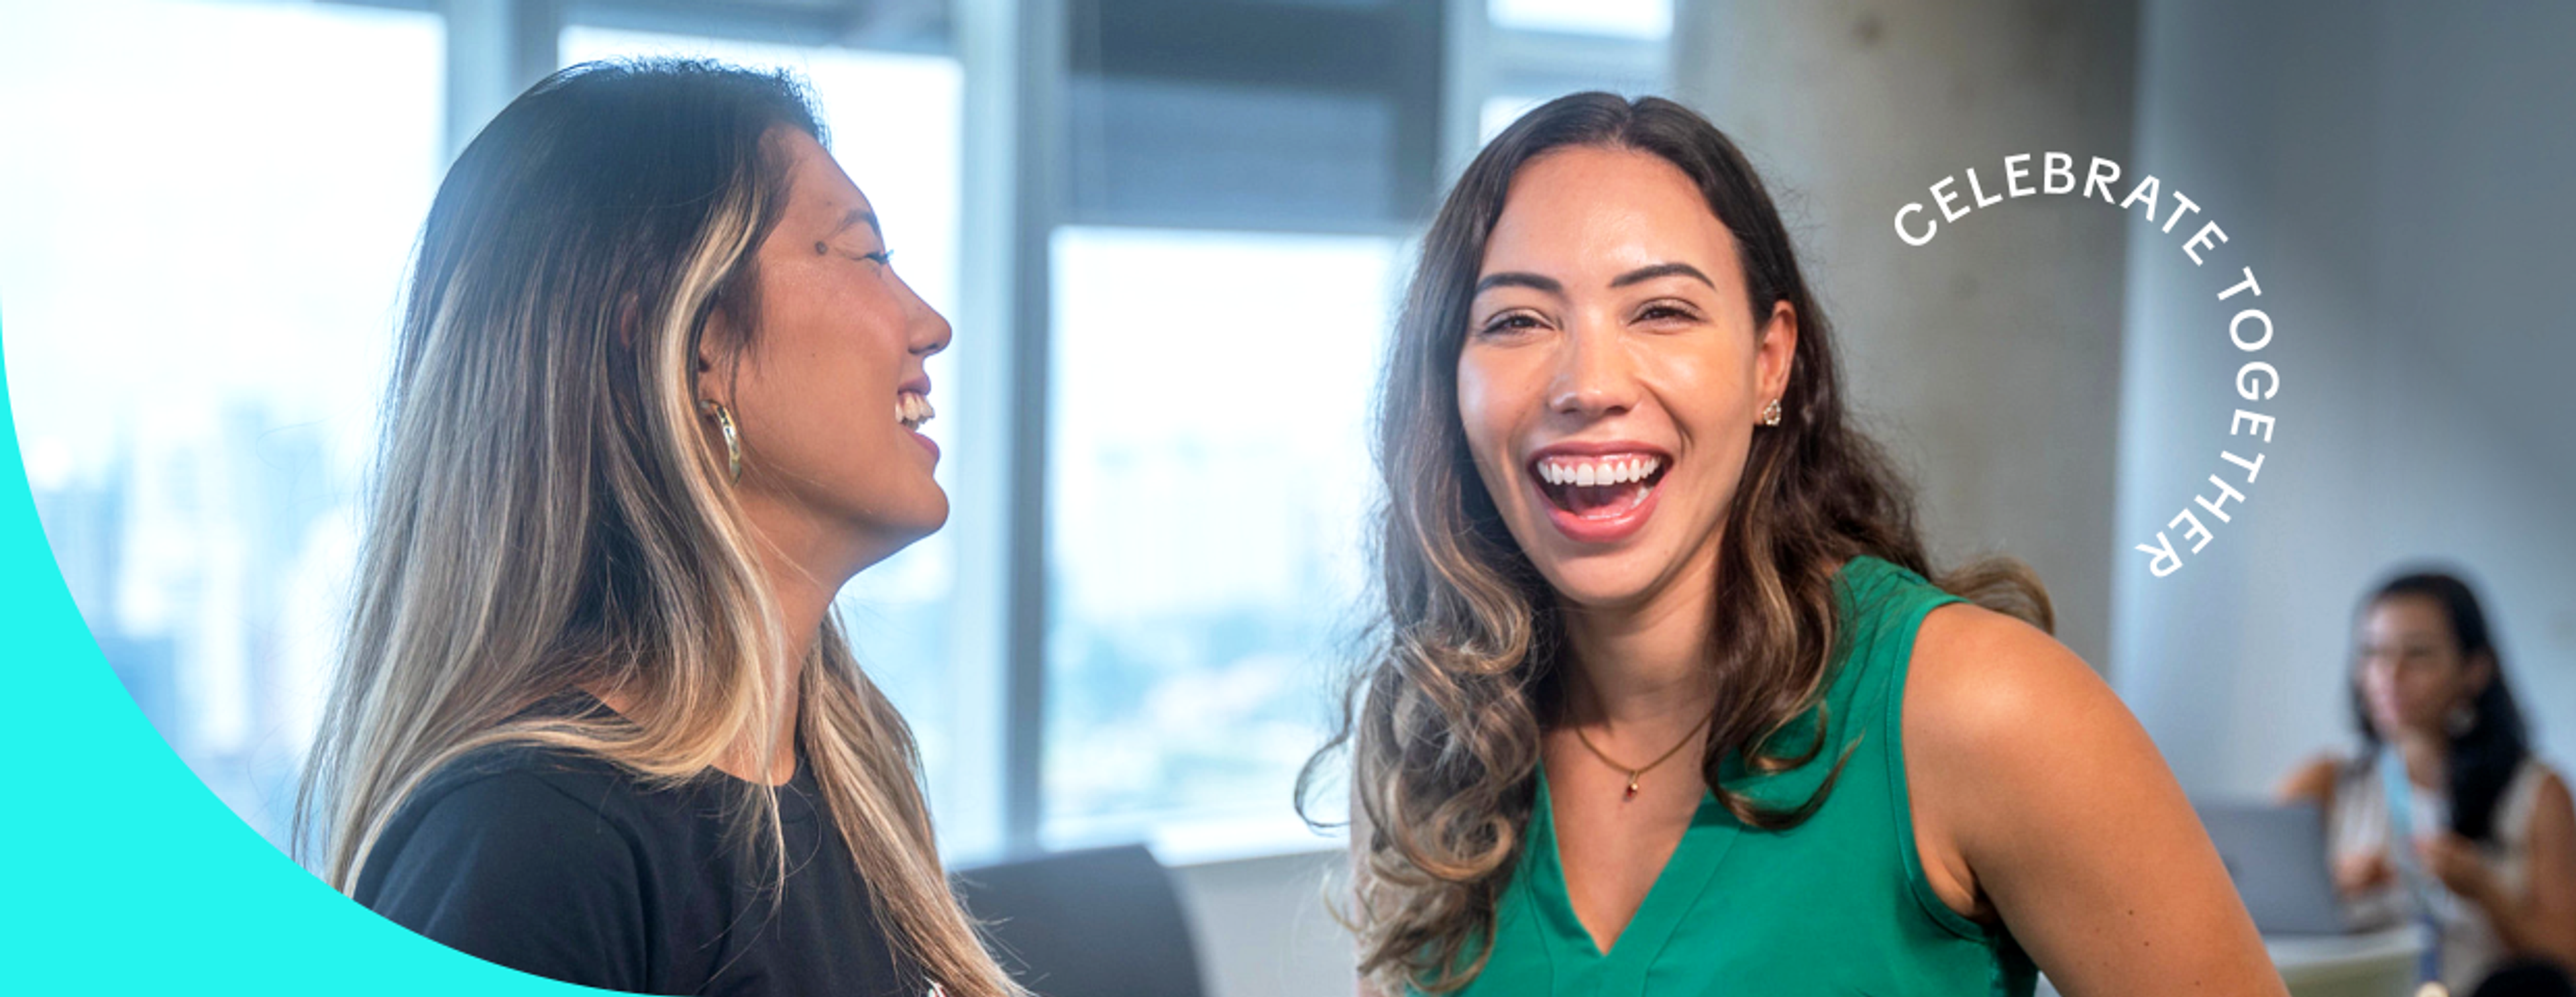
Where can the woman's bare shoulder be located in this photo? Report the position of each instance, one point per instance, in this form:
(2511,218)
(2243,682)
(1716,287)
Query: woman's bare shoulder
(1977,675)
(2000,721)
(1995,709)
(2039,793)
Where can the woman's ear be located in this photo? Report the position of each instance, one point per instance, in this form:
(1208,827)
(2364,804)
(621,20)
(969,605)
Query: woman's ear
(630,319)
(2482,672)
(1777,349)
(711,340)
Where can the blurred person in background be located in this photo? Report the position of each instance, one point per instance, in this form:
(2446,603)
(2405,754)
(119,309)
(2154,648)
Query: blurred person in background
(2445,815)
(656,397)
(1663,700)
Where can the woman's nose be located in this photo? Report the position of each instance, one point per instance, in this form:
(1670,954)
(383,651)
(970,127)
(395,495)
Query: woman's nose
(929,330)
(1594,376)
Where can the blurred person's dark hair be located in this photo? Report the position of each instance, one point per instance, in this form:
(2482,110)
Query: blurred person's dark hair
(2527,978)
(2482,756)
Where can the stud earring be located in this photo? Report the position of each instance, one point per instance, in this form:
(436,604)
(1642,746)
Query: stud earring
(2460,721)
(1771,413)
(732,439)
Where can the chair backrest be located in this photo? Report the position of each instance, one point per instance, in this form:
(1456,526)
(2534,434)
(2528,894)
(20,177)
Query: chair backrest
(1105,922)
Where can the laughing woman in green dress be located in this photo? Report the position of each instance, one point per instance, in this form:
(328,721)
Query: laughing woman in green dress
(1663,702)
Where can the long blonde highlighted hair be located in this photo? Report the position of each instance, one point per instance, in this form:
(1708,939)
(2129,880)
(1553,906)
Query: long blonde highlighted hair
(1443,718)
(548,513)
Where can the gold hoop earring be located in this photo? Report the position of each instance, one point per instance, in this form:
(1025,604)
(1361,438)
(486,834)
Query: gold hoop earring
(1771,413)
(732,439)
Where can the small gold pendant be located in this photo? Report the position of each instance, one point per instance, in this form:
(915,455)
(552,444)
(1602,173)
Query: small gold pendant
(1632,785)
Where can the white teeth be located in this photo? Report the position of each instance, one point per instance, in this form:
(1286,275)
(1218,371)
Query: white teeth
(912,410)
(1592,473)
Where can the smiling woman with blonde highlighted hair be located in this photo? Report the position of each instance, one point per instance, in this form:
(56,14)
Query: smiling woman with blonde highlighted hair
(656,397)
(1662,701)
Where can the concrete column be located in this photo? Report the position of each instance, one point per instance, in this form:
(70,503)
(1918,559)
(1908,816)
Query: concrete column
(1987,359)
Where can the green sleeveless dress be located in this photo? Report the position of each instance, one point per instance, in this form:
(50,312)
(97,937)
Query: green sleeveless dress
(1835,906)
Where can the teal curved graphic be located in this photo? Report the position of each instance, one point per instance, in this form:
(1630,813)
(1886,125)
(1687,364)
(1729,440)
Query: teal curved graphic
(126,875)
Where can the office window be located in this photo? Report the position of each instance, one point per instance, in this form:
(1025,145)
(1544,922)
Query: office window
(1208,480)
(1498,113)
(1619,18)
(209,210)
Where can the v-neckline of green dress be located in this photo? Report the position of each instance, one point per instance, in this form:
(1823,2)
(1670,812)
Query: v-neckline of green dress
(1835,904)
(1686,874)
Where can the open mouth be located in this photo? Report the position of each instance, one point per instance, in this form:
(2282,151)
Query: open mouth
(1599,486)
(912,409)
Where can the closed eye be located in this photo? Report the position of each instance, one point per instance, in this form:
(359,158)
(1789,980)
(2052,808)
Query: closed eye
(1507,323)
(1665,311)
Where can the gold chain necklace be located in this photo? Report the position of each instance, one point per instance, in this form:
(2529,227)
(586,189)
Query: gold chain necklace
(1639,771)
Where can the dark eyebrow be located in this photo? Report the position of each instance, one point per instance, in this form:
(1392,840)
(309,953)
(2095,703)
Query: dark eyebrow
(1643,274)
(857,215)
(1514,278)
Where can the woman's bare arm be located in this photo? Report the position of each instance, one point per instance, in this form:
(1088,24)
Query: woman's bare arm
(2550,909)
(2312,782)
(2039,799)
(2542,920)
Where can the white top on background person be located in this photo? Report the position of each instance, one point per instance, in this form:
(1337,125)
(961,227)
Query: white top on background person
(2488,851)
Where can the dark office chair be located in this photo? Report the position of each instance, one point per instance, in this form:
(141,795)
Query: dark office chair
(2528,978)
(1105,922)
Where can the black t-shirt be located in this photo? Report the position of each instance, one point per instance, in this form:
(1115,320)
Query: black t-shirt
(561,864)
